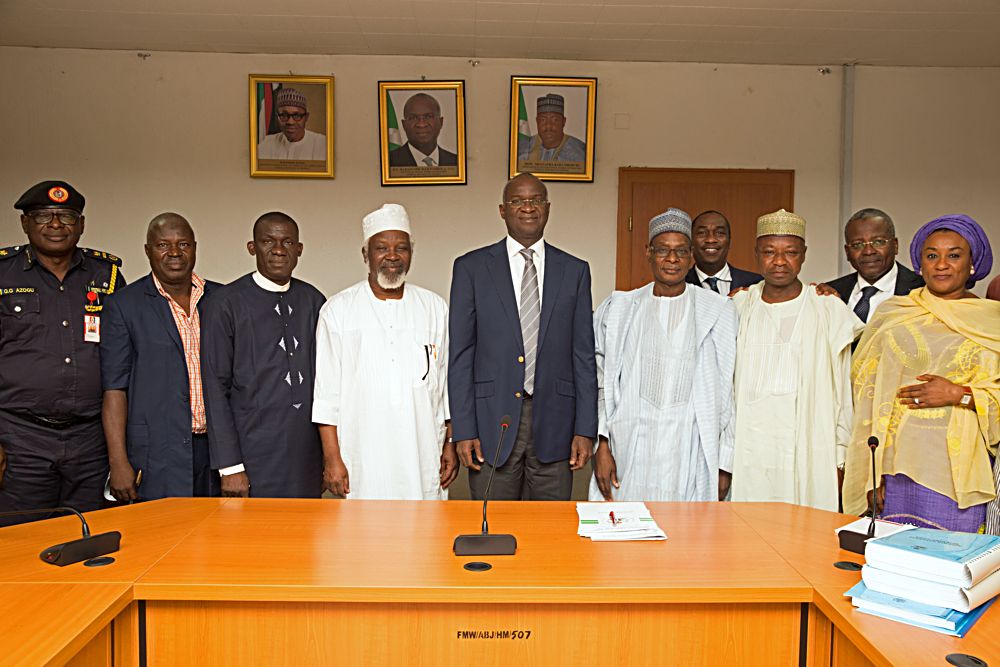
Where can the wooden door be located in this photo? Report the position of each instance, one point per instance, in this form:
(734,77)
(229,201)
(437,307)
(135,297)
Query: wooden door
(742,195)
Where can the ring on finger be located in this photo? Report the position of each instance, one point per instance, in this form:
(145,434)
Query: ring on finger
(917,401)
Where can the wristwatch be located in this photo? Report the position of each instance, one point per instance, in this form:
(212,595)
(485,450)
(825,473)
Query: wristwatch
(966,399)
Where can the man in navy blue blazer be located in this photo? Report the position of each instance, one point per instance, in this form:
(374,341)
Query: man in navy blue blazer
(522,344)
(154,408)
(711,237)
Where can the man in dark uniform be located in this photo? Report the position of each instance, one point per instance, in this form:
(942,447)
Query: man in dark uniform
(52,292)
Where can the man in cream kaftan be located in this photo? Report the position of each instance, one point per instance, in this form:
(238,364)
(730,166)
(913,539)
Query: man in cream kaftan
(793,390)
(381,378)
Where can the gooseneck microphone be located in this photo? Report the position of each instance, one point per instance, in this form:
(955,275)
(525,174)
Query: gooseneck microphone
(86,548)
(854,541)
(485,544)
(873,445)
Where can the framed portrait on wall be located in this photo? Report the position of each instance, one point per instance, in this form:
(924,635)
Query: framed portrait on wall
(422,132)
(291,126)
(552,127)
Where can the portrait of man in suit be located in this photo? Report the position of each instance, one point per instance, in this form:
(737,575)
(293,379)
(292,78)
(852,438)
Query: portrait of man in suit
(711,237)
(422,122)
(521,343)
(871,246)
(422,132)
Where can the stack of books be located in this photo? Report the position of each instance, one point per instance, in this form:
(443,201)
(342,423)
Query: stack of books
(935,579)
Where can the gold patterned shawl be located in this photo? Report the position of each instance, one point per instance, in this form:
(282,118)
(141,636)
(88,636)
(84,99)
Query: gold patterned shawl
(944,449)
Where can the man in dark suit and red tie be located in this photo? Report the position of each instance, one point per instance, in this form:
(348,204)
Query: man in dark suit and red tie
(871,246)
(710,239)
(522,344)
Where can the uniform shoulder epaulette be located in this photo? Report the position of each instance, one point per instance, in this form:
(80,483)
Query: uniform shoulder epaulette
(100,254)
(12,251)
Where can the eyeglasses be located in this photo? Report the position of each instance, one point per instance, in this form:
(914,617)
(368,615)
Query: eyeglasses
(294,116)
(426,117)
(66,218)
(858,246)
(536,202)
(663,253)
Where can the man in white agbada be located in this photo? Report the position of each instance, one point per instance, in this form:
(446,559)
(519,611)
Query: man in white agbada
(666,354)
(793,377)
(381,377)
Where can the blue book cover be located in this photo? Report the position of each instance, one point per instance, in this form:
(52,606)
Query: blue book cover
(942,544)
(939,619)
(893,604)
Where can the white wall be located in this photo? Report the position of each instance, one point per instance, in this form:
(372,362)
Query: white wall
(927,143)
(169,132)
(138,137)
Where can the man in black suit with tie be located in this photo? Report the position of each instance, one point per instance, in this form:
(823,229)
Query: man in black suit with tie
(710,239)
(422,122)
(871,246)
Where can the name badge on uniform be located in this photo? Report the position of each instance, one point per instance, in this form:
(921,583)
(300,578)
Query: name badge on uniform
(92,328)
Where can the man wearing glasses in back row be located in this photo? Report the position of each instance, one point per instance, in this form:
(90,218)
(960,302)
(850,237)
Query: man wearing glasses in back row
(871,246)
(52,292)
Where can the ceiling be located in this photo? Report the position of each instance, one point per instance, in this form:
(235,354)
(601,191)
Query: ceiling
(954,33)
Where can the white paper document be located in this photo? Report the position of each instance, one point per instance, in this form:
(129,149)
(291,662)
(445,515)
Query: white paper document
(617,522)
(882,528)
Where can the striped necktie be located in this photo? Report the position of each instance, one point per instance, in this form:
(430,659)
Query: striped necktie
(429,161)
(530,312)
(864,306)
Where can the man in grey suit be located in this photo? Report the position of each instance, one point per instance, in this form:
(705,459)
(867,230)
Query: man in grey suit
(871,246)
(422,122)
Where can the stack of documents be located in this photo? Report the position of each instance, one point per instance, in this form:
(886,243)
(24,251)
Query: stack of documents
(617,522)
(936,579)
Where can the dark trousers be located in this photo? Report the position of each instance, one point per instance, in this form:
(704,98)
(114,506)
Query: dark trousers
(47,467)
(523,476)
(205,481)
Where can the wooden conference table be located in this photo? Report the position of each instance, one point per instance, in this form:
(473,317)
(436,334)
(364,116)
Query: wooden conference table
(305,582)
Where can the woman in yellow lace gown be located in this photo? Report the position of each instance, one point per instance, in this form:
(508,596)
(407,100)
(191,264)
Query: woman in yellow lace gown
(926,377)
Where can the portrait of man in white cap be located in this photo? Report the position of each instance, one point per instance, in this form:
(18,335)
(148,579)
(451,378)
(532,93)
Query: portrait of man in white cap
(294,141)
(551,143)
(381,377)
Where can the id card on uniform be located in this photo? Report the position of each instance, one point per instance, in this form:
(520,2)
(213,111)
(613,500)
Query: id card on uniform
(92,328)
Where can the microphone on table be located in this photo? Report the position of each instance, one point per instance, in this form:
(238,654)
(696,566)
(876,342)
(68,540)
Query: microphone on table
(86,548)
(485,544)
(854,541)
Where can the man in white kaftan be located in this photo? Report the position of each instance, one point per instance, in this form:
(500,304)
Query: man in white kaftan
(793,377)
(381,377)
(665,361)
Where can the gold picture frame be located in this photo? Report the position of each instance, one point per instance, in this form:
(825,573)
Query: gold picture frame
(422,122)
(298,144)
(557,153)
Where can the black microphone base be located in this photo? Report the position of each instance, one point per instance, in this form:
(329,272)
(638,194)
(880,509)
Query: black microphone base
(485,545)
(853,542)
(85,548)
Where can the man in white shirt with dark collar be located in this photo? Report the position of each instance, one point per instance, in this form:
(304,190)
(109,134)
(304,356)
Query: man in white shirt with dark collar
(871,246)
